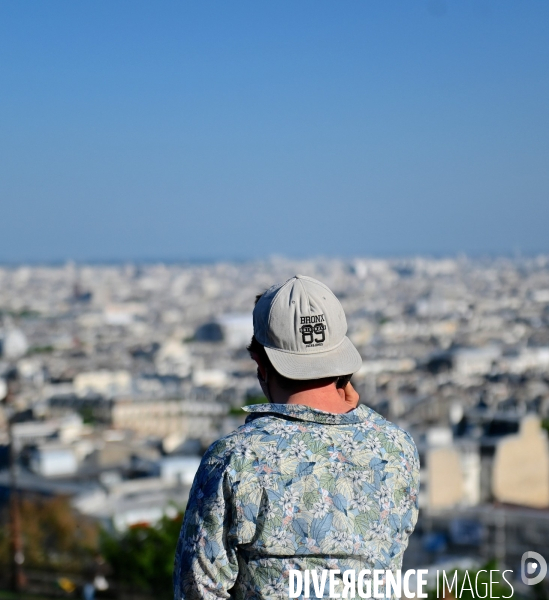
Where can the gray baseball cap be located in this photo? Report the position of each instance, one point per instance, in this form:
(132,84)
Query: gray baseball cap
(302,326)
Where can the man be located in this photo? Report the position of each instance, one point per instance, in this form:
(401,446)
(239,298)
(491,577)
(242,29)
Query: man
(311,481)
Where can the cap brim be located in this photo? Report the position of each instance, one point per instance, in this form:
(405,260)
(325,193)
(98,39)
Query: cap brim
(342,360)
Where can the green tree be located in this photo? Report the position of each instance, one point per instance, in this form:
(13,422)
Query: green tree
(142,557)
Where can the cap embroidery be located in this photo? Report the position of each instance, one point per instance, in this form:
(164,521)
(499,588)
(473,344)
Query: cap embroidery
(313,335)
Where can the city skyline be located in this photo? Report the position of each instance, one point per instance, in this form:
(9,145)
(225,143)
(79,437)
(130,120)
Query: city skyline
(116,378)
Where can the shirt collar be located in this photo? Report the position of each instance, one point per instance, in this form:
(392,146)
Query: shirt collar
(307,413)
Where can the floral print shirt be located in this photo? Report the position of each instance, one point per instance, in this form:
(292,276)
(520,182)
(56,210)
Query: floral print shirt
(296,488)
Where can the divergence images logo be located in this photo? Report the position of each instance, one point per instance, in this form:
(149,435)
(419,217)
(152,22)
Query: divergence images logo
(530,564)
(312,329)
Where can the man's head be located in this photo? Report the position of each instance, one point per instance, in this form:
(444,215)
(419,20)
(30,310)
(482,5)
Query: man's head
(266,372)
(299,336)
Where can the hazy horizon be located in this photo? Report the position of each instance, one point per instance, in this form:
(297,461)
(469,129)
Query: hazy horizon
(512,256)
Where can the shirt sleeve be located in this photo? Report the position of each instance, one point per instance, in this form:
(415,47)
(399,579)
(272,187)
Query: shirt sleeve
(206,565)
(413,489)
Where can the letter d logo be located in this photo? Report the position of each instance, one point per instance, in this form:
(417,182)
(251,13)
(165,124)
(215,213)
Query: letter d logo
(528,568)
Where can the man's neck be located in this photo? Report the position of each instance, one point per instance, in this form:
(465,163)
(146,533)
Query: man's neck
(327,398)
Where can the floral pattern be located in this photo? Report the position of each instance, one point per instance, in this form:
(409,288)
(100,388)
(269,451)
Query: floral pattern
(296,488)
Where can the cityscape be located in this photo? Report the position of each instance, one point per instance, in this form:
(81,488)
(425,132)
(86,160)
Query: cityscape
(116,378)
(161,166)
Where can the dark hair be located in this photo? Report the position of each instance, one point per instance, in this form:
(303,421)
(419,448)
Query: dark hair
(290,385)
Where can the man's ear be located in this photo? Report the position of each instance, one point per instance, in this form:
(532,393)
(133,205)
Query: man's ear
(262,371)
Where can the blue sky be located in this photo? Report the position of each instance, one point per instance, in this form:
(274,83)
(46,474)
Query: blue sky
(215,129)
